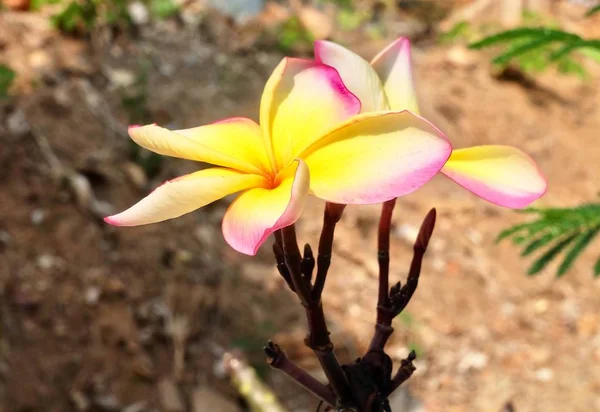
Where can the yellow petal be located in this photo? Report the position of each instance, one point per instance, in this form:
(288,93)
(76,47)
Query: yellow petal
(393,65)
(184,194)
(502,175)
(257,213)
(234,143)
(375,157)
(357,74)
(301,101)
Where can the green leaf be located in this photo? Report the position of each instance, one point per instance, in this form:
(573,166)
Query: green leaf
(592,11)
(538,243)
(569,47)
(547,257)
(163,8)
(597,268)
(511,231)
(527,32)
(7,76)
(582,242)
(522,49)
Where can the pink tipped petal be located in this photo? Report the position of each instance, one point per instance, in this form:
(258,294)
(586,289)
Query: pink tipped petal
(375,157)
(184,194)
(356,72)
(502,175)
(222,144)
(257,213)
(394,67)
(301,101)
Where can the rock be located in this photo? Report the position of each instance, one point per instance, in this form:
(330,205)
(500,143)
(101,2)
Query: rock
(460,56)
(136,175)
(169,396)
(91,295)
(5,240)
(37,216)
(47,262)
(544,375)
(80,401)
(17,124)
(139,13)
(473,361)
(107,403)
(120,78)
(407,232)
(204,399)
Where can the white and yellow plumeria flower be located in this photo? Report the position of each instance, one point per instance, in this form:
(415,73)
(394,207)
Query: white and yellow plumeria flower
(311,138)
(503,175)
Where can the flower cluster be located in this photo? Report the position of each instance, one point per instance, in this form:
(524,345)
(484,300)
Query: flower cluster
(337,127)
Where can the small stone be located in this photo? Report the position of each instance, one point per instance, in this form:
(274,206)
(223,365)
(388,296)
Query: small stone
(46,262)
(80,401)
(92,295)
(114,287)
(541,306)
(407,232)
(139,13)
(204,234)
(544,374)
(17,124)
(136,175)
(37,216)
(474,236)
(5,239)
(107,403)
(121,78)
(473,361)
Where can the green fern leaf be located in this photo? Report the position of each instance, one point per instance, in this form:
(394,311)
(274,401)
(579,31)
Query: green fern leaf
(597,268)
(538,243)
(582,242)
(527,32)
(547,257)
(511,231)
(569,47)
(522,49)
(593,10)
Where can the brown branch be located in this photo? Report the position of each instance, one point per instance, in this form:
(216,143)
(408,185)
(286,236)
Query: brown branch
(404,372)
(318,334)
(278,360)
(399,296)
(332,215)
(383,252)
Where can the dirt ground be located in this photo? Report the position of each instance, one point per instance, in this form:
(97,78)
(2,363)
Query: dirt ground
(103,319)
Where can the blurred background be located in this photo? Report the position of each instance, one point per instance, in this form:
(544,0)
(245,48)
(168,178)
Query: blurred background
(95,318)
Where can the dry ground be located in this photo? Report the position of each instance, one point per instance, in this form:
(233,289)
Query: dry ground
(88,311)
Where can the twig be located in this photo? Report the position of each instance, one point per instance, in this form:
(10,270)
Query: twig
(333,214)
(318,334)
(278,360)
(399,295)
(363,385)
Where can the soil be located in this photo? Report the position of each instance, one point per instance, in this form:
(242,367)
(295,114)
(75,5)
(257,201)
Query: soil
(95,318)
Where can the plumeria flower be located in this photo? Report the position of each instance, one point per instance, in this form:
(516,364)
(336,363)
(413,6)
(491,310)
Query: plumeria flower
(311,138)
(503,175)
